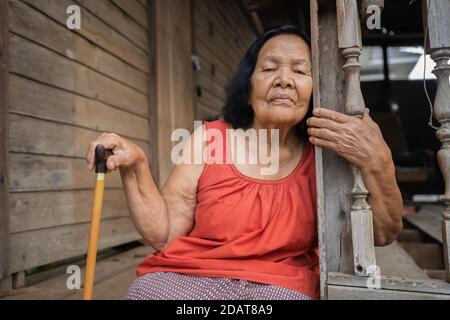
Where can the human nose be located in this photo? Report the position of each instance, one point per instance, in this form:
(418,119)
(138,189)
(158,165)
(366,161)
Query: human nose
(284,79)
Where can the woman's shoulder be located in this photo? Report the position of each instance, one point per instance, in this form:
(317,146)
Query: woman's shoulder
(216,124)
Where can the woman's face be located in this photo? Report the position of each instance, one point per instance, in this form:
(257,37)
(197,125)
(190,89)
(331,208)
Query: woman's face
(281,84)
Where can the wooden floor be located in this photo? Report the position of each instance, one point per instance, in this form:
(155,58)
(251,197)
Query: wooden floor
(114,275)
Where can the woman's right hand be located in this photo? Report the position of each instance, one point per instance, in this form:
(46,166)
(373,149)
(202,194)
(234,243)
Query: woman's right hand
(126,154)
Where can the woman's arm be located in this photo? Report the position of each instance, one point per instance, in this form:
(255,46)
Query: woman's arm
(360,142)
(385,199)
(159,217)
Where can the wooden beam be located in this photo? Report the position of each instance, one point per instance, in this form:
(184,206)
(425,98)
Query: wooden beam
(392,283)
(174,76)
(349,40)
(332,172)
(5,277)
(152,90)
(354,293)
(438,31)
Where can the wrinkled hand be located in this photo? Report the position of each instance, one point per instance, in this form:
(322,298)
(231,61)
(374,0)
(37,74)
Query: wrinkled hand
(358,140)
(125,153)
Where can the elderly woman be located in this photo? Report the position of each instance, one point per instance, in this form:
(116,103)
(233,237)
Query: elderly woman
(224,230)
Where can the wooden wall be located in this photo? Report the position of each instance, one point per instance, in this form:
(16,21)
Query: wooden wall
(221,35)
(65,88)
(174,78)
(128,70)
(5,279)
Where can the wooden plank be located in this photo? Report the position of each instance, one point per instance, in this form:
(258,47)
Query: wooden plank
(134,10)
(426,255)
(35,136)
(220,60)
(333,173)
(27,249)
(351,293)
(210,70)
(215,43)
(46,173)
(153,92)
(96,31)
(37,27)
(107,270)
(112,16)
(438,24)
(315,54)
(211,86)
(41,101)
(5,278)
(394,261)
(237,8)
(216,16)
(392,283)
(174,76)
(428,219)
(40,64)
(204,113)
(32,210)
(143,3)
(211,100)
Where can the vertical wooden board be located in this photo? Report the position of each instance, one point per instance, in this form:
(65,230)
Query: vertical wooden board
(174,76)
(31,210)
(152,92)
(43,246)
(333,173)
(4,188)
(438,23)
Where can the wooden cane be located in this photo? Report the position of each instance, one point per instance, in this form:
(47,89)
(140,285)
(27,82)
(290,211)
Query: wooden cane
(101,155)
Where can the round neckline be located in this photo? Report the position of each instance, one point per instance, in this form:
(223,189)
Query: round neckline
(264,181)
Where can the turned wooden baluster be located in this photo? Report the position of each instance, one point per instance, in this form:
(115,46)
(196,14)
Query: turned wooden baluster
(349,39)
(439,48)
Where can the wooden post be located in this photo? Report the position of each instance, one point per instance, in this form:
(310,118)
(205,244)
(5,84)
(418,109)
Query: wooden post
(5,277)
(349,40)
(437,13)
(174,76)
(152,90)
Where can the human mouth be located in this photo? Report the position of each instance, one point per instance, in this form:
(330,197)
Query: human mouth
(281,99)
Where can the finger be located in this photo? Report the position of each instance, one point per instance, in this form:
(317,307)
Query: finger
(323,123)
(323,143)
(109,141)
(110,163)
(90,154)
(332,115)
(323,133)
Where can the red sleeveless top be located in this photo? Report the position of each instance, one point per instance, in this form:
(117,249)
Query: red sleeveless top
(245,228)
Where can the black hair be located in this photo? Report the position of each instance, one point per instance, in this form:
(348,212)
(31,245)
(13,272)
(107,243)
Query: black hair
(237,111)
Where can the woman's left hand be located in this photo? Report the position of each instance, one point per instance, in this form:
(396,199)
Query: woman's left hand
(358,140)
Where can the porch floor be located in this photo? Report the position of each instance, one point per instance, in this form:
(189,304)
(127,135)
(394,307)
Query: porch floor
(114,275)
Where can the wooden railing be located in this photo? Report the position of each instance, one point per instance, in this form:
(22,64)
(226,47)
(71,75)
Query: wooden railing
(349,41)
(437,13)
